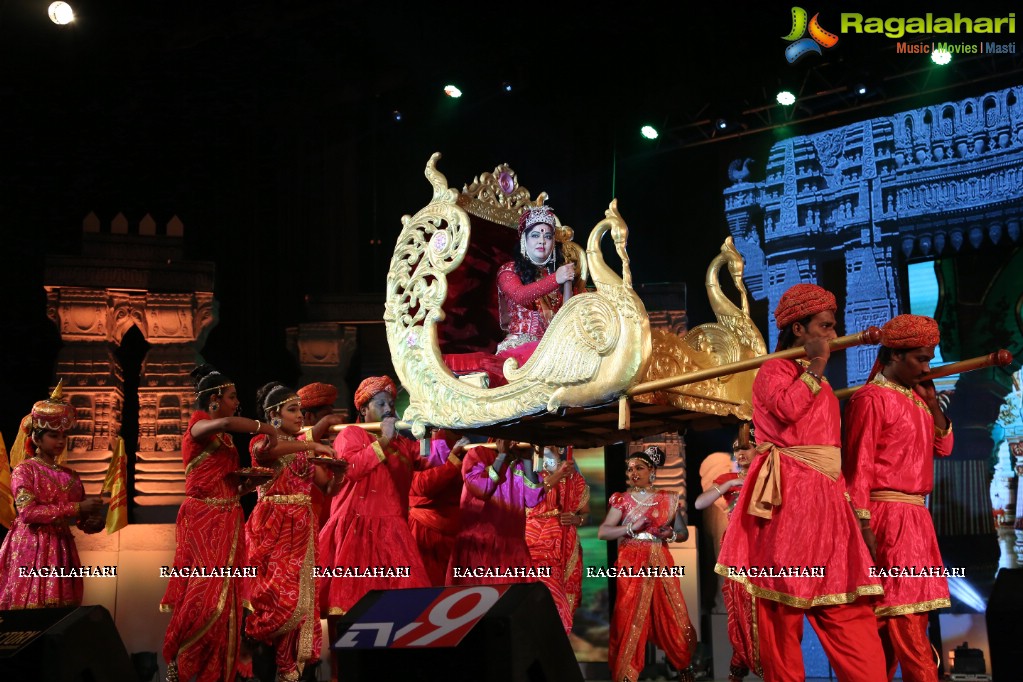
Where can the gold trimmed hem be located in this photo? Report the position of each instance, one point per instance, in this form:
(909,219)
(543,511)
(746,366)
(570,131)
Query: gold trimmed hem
(943,433)
(336,611)
(455,462)
(862,513)
(166,608)
(492,473)
(800,602)
(903,609)
(379,451)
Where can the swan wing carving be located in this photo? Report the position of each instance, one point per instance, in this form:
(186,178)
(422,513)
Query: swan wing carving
(584,331)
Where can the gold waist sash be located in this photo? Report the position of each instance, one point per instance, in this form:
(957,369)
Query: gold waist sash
(217,501)
(896,496)
(826,459)
(287,499)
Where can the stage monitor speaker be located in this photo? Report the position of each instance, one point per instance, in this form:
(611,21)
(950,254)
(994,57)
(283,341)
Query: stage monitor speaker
(499,633)
(62,645)
(1004,627)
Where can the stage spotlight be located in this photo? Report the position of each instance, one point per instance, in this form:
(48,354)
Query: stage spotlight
(941,57)
(649,132)
(786,98)
(61,13)
(452,91)
(860,89)
(396,115)
(721,124)
(506,86)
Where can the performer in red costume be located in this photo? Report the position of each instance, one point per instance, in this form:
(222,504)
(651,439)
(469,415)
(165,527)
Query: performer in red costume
(552,532)
(530,290)
(281,537)
(433,515)
(491,545)
(204,634)
(738,603)
(647,607)
(893,430)
(367,531)
(318,416)
(794,542)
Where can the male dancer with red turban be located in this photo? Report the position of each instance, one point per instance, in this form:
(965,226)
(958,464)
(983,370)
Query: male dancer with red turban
(893,430)
(318,415)
(366,540)
(794,542)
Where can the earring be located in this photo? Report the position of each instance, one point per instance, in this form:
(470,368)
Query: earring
(653,477)
(214,405)
(276,422)
(522,244)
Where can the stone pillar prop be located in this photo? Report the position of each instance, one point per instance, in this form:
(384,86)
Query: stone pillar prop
(324,351)
(127,278)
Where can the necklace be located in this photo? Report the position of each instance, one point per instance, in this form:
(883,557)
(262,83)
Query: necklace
(48,465)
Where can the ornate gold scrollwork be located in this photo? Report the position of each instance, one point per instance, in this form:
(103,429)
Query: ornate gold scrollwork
(596,346)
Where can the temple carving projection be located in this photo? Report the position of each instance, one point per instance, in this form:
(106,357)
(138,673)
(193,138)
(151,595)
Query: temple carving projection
(131,288)
(852,208)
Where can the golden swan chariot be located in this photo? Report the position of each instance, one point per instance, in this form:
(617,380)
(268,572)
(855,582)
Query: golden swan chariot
(592,378)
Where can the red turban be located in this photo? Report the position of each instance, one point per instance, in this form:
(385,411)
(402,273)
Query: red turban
(317,395)
(370,386)
(802,301)
(910,331)
(54,414)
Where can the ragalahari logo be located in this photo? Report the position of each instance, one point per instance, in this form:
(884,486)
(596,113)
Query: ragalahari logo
(802,45)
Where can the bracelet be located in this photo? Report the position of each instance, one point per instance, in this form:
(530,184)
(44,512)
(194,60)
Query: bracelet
(819,357)
(719,490)
(628,531)
(815,375)
(673,536)
(259,425)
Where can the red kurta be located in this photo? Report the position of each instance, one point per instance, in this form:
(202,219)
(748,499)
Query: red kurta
(281,539)
(555,545)
(647,607)
(433,515)
(811,547)
(815,525)
(493,533)
(368,525)
(891,440)
(204,632)
(890,444)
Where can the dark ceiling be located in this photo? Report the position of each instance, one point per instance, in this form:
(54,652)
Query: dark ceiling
(267,128)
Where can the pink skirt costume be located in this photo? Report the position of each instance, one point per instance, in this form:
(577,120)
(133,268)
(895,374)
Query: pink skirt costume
(281,539)
(40,538)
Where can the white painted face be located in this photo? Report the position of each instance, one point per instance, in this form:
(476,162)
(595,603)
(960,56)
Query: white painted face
(539,242)
(551,459)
